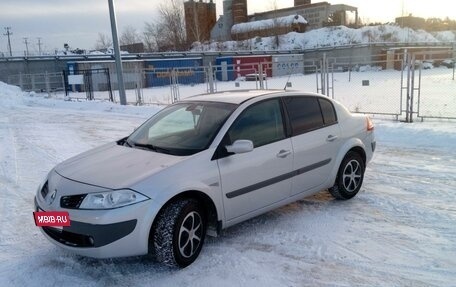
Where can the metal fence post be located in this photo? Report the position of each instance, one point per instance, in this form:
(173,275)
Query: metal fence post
(48,84)
(174,86)
(412,86)
(21,81)
(327,78)
(33,82)
(323,74)
(109,84)
(419,92)
(64,82)
(139,100)
(260,76)
(316,79)
(211,79)
(453,68)
(332,83)
(407,102)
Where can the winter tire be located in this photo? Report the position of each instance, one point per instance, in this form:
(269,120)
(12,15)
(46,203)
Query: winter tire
(179,233)
(349,177)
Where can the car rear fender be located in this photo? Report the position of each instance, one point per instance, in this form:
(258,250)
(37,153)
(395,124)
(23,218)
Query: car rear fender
(345,148)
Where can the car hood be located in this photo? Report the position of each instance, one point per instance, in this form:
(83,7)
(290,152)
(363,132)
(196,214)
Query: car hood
(115,167)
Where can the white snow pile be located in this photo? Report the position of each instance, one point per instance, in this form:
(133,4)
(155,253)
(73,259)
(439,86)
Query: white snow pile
(10,95)
(268,24)
(445,36)
(341,36)
(331,37)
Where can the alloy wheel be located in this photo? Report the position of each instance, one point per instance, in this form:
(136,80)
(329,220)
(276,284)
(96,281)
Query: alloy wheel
(352,176)
(190,234)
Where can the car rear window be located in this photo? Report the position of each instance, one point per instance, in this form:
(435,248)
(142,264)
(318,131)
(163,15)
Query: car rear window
(329,114)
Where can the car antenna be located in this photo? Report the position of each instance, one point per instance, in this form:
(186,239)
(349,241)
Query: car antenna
(285,88)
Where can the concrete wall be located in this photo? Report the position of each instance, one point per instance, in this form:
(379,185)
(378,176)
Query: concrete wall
(16,67)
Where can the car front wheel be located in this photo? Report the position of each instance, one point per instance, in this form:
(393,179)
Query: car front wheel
(179,233)
(349,177)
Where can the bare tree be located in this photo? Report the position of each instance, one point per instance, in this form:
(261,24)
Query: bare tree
(275,29)
(103,42)
(129,36)
(167,33)
(151,35)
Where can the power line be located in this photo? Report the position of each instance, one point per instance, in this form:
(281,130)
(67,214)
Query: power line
(9,33)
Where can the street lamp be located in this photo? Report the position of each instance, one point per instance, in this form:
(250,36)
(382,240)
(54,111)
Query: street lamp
(117,56)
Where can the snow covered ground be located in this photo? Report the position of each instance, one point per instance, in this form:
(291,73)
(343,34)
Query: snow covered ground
(399,230)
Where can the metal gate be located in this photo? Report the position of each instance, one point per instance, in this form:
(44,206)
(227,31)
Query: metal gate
(363,85)
(96,83)
(429,85)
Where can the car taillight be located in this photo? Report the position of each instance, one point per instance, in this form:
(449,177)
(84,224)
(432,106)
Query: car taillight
(370,124)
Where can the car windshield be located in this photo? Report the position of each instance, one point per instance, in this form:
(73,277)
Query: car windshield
(182,129)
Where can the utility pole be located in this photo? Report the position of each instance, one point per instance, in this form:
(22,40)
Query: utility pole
(39,45)
(118,57)
(9,33)
(26,46)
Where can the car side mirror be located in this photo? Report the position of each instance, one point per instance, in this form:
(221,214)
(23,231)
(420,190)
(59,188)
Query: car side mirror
(240,146)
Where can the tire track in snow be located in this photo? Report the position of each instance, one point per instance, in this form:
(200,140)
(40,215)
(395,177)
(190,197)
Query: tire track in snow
(9,199)
(8,159)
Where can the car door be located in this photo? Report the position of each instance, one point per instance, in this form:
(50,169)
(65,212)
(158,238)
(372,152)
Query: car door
(315,140)
(258,178)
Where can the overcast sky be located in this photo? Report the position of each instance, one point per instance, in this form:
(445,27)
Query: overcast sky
(79,22)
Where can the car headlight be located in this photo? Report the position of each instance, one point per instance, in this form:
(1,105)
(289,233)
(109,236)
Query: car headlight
(111,199)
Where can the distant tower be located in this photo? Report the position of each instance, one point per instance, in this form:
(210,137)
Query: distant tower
(239,10)
(200,17)
(301,2)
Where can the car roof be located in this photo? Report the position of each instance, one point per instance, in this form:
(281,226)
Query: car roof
(239,96)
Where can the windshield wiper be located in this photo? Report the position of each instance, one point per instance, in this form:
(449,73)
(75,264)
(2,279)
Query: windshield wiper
(127,143)
(151,147)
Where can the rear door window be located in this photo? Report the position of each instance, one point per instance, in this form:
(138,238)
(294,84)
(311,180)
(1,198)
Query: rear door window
(304,113)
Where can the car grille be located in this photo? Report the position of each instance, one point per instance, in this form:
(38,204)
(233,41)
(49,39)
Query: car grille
(69,238)
(45,190)
(72,202)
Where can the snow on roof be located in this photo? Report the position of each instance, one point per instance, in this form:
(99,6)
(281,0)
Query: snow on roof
(268,24)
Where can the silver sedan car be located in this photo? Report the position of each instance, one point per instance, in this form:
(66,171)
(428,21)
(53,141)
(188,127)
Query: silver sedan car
(202,165)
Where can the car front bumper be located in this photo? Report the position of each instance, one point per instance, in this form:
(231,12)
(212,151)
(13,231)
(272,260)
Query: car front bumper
(111,233)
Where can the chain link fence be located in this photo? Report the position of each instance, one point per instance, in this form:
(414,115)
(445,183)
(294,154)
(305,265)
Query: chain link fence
(43,82)
(403,84)
(436,89)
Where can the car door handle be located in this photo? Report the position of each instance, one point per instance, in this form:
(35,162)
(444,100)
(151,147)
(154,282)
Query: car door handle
(283,153)
(331,138)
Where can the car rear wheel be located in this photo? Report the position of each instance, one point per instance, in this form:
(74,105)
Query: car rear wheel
(349,177)
(179,233)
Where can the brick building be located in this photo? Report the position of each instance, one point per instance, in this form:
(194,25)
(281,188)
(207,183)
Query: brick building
(200,18)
